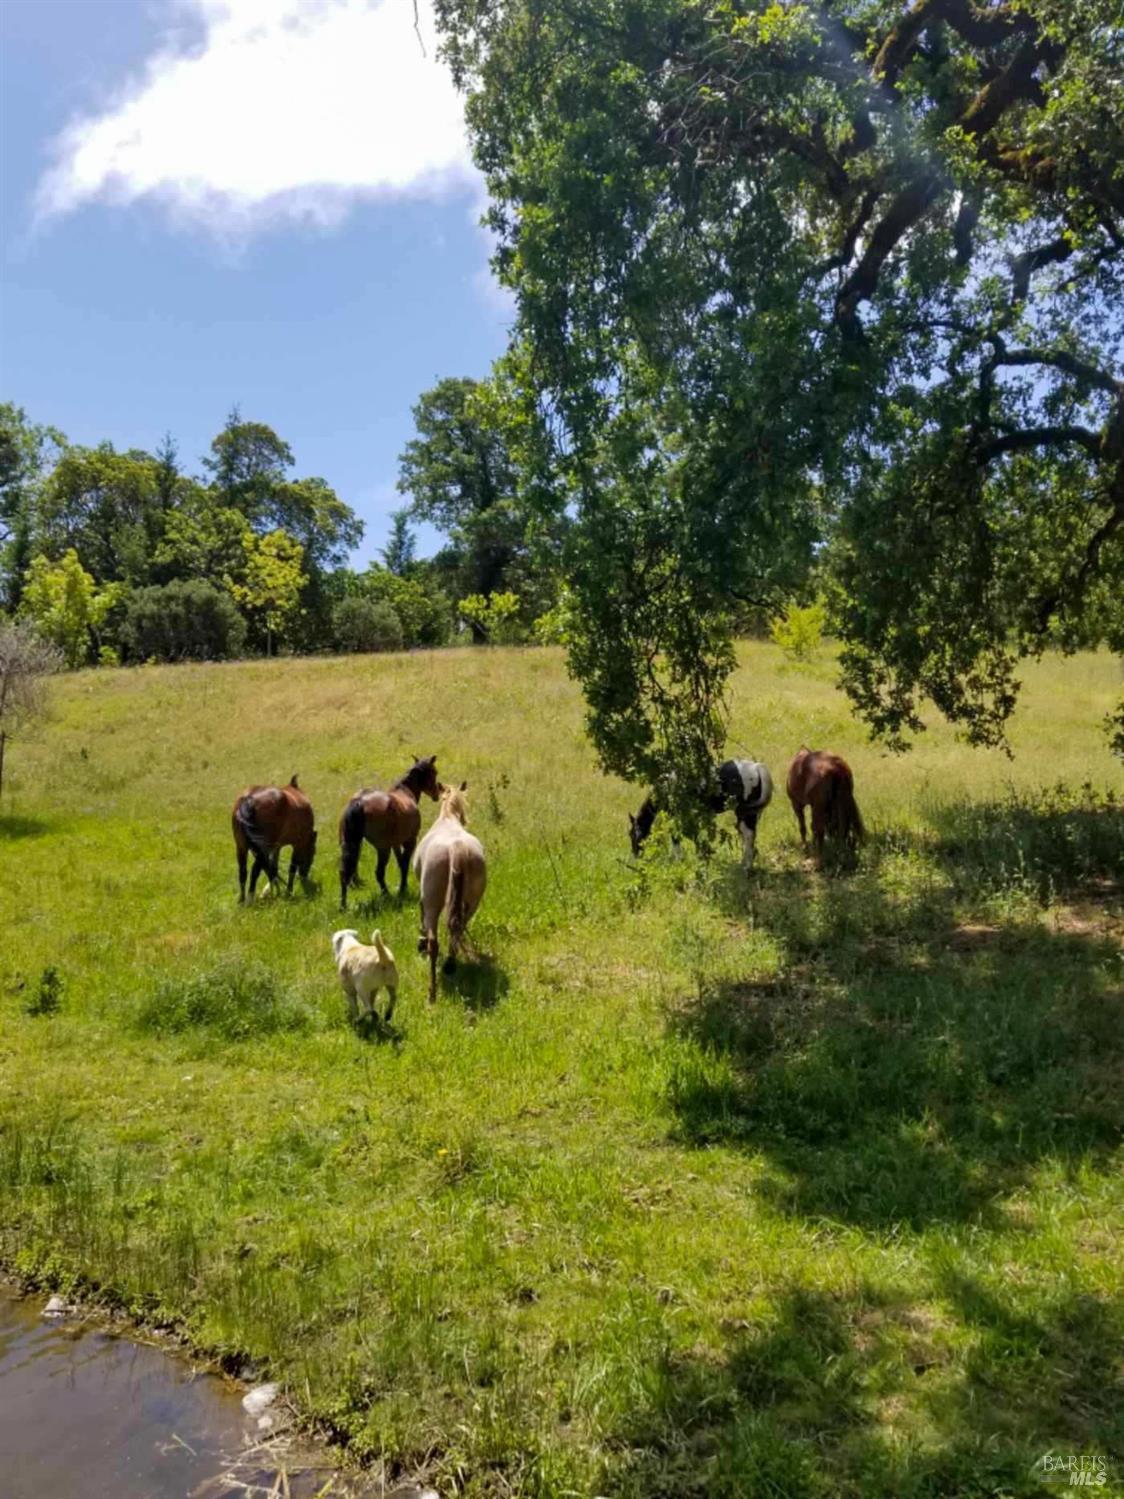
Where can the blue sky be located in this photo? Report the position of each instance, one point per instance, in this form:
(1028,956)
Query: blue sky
(261,202)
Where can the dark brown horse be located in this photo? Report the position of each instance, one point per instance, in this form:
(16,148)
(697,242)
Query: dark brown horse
(823,782)
(265,819)
(388,820)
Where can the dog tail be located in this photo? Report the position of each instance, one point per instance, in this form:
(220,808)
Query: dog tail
(454,904)
(246,816)
(384,952)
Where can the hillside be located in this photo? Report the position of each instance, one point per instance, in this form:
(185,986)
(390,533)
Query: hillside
(691,1185)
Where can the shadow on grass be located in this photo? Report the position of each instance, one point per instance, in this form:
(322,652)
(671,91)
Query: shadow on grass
(1054,841)
(478,982)
(905,1067)
(13,828)
(817,1397)
(376,1031)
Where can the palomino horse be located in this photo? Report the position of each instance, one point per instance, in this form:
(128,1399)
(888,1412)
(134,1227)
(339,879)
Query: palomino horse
(388,820)
(451,875)
(265,819)
(745,785)
(819,780)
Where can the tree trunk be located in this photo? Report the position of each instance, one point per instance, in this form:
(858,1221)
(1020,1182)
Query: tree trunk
(3,742)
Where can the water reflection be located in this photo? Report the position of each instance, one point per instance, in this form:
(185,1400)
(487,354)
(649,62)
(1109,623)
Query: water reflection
(86,1413)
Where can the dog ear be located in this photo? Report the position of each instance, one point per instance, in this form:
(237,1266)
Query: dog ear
(464,785)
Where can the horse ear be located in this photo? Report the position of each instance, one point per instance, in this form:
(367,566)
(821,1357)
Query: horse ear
(631,820)
(432,760)
(293,781)
(464,785)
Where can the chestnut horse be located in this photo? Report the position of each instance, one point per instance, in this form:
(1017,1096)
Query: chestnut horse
(265,819)
(388,820)
(823,782)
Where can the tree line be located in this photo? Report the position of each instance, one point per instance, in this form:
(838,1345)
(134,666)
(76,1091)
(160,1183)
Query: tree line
(126,557)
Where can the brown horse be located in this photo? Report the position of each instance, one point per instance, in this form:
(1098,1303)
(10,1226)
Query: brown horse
(265,819)
(823,782)
(388,820)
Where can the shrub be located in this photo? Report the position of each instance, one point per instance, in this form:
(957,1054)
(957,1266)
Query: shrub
(186,620)
(235,999)
(422,607)
(553,627)
(798,631)
(47,999)
(366,624)
(496,616)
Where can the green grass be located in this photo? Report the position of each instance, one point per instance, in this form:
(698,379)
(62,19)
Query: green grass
(692,1185)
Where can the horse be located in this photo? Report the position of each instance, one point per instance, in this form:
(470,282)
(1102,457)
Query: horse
(265,819)
(745,785)
(819,780)
(388,820)
(451,874)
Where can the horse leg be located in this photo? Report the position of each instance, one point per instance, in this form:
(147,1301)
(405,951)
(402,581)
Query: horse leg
(421,926)
(292,871)
(404,855)
(799,810)
(748,831)
(349,867)
(819,829)
(241,876)
(431,948)
(380,869)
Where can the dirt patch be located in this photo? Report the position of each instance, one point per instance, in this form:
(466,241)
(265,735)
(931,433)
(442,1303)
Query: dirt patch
(972,936)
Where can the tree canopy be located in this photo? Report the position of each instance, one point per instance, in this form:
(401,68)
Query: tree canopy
(836,279)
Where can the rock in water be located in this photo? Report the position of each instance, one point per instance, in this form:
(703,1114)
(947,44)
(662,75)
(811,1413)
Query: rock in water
(58,1306)
(257,1401)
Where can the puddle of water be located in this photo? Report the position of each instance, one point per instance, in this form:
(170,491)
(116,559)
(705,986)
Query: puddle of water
(85,1412)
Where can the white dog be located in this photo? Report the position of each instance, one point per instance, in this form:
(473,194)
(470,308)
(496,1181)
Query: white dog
(364,971)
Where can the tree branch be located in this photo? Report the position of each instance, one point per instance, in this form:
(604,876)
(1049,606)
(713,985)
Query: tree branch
(1024,266)
(1038,437)
(907,207)
(982,28)
(1089,374)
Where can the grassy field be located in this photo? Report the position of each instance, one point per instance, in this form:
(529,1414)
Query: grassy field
(694,1185)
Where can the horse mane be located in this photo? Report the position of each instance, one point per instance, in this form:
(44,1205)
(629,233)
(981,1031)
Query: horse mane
(454,804)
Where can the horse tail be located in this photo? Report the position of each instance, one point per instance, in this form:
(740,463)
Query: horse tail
(843,815)
(353,825)
(454,903)
(858,827)
(246,816)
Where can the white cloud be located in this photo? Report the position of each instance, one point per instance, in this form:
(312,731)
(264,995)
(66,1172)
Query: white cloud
(286,109)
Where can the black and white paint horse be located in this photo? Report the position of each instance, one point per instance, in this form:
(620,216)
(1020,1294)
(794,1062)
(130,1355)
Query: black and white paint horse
(744,785)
